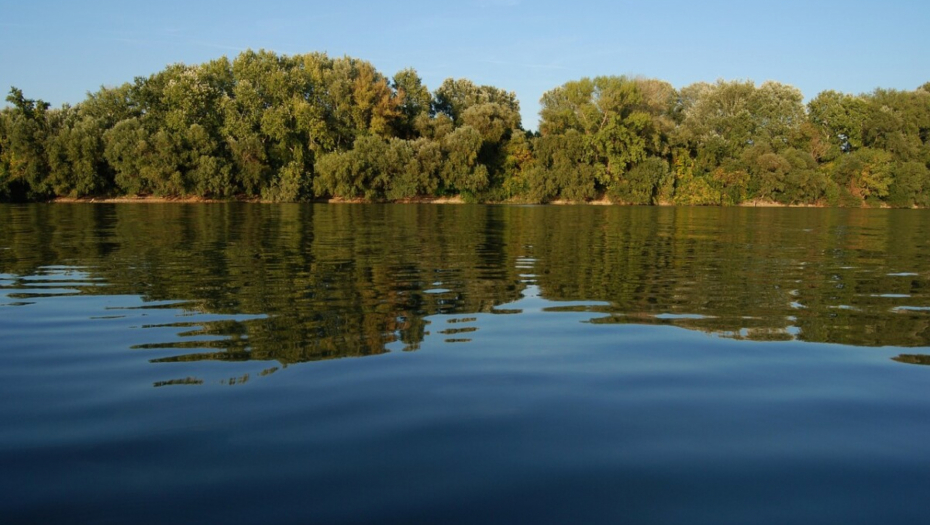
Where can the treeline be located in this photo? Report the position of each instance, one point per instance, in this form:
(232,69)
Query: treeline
(295,128)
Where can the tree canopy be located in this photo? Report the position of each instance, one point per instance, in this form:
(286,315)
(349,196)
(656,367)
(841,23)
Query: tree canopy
(293,128)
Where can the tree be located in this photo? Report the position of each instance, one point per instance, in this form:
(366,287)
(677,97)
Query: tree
(461,171)
(641,184)
(415,101)
(416,166)
(608,112)
(660,101)
(455,96)
(911,186)
(274,122)
(719,113)
(561,168)
(77,166)
(778,113)
(840,117)
(362,171)
(865,174)
(898,122)
(23,158)
(144,161)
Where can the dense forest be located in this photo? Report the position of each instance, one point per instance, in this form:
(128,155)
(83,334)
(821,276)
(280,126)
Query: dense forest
(303,127)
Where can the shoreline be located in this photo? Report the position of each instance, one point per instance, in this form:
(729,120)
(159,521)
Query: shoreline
(150,199)
(456,199)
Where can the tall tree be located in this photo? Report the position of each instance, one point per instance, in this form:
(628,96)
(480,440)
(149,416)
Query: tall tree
(23,158)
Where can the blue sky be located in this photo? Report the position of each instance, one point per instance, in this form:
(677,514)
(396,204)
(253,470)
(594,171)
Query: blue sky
(58,51)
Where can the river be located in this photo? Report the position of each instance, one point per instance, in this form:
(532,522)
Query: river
(248,363)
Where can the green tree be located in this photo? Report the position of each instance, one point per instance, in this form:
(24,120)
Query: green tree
(461,171)
(416,167)
(362,172)
(840,117)
(272,117)
(77,166)
(642,183)
(23,158)
(561,168)
(899,122)
(415,102)
(609,113)
(911,186)
(866,174)
(455,96)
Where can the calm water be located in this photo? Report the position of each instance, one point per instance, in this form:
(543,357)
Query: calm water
(463,364)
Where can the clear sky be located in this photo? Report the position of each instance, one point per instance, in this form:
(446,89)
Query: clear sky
(59,50)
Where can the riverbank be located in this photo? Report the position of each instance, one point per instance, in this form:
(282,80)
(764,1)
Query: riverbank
(455,199)
(151,199)
(141,199)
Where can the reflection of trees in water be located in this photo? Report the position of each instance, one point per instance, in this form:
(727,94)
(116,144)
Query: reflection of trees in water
(339,281)
(913,359)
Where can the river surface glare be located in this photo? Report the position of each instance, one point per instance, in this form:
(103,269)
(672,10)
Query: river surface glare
(342,364)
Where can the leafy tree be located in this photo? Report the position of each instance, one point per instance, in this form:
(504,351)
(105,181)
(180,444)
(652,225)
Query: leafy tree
(491,120)
(416,166)
(642,183)
(415,102)
(898,122)
(517,160)
(375,169)
(742,115)
(461,171)
(805,183)
(144,161)
(732,185)
(692,190)
(270,117)
(840,117)
(865,173)
(608,111)
(562,169)
(778,113)
(455,96)
(911,186)
(718,114)
(374,106)
(361,172)
(77,166)
(660,100)
(23,158)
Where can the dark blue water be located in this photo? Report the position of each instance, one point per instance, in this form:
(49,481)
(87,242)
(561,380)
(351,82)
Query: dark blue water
(463,364)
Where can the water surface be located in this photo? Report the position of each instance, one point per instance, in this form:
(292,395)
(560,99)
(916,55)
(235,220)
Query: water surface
(463,364)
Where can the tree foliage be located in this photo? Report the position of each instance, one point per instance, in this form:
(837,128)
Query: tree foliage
(291,128)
